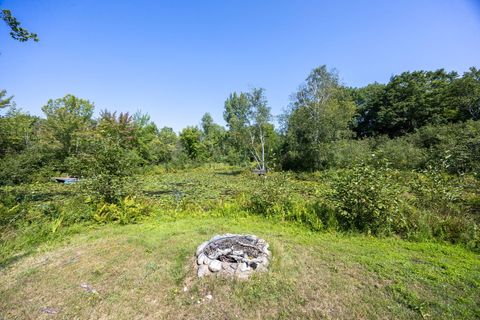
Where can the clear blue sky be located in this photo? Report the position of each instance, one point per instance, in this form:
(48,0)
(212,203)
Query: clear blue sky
(178,59)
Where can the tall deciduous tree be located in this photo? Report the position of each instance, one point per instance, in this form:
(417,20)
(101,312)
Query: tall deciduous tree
(369,101)
(236,116)
(163,147)
(213,137)
(259,117)
(17,131)
(247,116)
(465,93)
(119,128)
(146,132)
(67,117)
(321,112)
(414,99)
(190,138)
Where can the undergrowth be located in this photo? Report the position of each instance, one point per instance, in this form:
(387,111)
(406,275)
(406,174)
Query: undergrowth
(419,206)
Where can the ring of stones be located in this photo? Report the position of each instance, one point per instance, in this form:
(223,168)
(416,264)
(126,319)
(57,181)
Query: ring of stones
(232,255)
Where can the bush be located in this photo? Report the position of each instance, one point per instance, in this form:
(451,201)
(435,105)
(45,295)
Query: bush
(399,153)
(128,210)
(436,191)
(28,166)
(275,198)
(367,200)
(345,153)
(378,201)
(108,168)
(454,148)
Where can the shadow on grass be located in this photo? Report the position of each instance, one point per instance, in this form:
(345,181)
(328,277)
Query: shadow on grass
(157,193)
(230,173)
(11,260)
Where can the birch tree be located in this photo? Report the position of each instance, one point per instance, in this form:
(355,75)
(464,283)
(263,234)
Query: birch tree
(247,116)
(258,118)
(320,112)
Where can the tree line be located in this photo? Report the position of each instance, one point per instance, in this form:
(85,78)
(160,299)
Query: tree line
(417,120)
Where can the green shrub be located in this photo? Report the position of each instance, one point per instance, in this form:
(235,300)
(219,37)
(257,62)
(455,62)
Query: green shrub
(379,201)
(276,198)
(436,191)
(399,153)
(454,148)
(367,200)
(345,153)
(9,215)
(457,229)
(108,169)
(28,166)
(129,210)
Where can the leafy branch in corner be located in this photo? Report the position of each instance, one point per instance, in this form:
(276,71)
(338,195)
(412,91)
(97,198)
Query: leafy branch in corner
(17,32)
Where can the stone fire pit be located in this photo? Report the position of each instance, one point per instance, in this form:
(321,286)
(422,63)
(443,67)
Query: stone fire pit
(232,255)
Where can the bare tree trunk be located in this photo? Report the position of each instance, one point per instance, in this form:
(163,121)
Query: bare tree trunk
(262,142)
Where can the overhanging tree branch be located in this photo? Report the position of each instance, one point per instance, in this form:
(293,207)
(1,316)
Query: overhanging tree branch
(16,31)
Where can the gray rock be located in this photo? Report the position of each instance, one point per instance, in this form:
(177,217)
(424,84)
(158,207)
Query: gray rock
(207,260)
(267,252)
(202,270)
(201,247)
(201,258)
(215,266)
(225,265)
(265,248)
(243,267)
(261,268)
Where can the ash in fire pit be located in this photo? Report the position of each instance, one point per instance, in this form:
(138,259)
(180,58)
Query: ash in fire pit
(232,254)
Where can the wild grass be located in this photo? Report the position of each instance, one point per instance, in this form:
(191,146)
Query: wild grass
(327,263)
(416,206)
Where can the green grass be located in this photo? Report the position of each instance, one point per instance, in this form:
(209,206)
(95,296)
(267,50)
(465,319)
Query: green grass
(50,246)
(141,271)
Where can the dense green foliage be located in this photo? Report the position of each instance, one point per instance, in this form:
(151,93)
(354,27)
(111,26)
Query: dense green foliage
(321,112)
(417,121)
(397,159)
(414,99)
(430,206)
